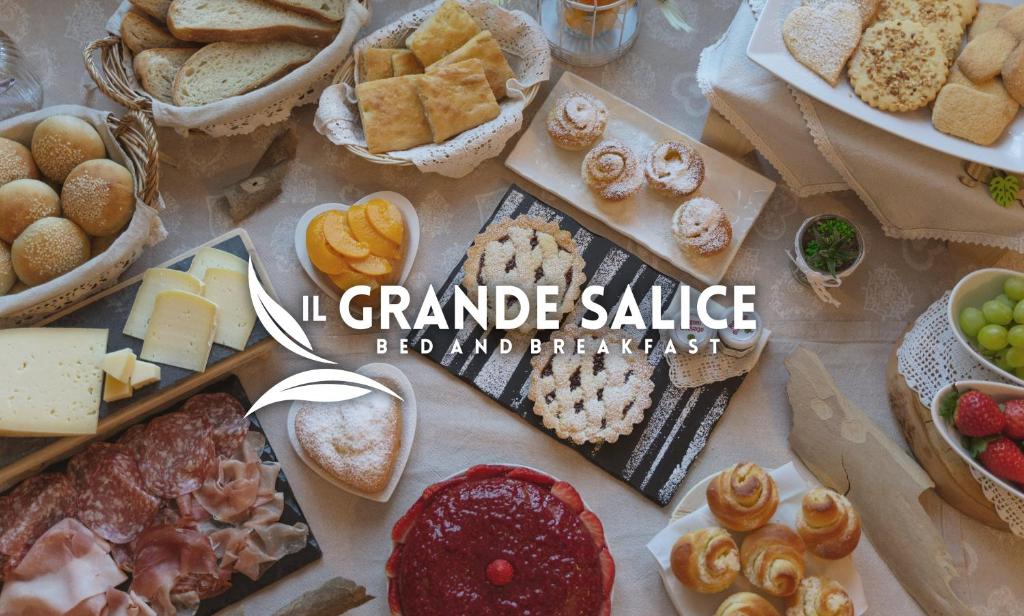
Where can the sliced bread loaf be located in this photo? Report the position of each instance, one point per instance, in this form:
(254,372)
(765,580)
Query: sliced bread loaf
(223,70)
(327,10)
(157,9)
(245,21)
(140,33)
(156,69)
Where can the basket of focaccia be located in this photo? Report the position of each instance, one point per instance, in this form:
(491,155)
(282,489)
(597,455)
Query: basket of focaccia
(442,88)
(223,67)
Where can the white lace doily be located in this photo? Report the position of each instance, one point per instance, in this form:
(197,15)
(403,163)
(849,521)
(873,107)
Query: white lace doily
(686,371)
(520,37)
(929,358)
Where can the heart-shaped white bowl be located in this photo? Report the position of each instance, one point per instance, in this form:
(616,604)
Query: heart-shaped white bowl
(412,239)
(975,289)
(1001,392)
(404,389)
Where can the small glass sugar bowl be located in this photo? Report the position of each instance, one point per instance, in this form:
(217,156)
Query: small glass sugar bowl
(589,32)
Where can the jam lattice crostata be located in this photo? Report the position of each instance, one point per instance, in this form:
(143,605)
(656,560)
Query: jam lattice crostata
(525,252)
(500,541)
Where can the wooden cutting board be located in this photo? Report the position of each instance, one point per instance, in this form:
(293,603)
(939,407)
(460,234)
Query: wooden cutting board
(952,477)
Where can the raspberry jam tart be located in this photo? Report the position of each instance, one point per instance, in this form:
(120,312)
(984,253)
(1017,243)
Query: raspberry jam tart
(500,540)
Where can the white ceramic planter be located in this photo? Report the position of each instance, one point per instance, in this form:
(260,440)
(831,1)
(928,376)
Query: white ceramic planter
(798,249)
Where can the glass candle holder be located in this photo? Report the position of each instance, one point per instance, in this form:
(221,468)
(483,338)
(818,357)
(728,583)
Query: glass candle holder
(589,32)
(20,91)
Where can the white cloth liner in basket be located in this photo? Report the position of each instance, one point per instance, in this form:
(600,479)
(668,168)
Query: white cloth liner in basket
(264,106)
(102,270)
(524,43)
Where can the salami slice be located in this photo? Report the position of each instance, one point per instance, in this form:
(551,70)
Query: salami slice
(132,438)
(111,498)
(175,455)
(223,416)
(32,508)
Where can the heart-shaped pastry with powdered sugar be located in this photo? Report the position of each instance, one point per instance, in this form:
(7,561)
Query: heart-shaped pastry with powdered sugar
(823,38)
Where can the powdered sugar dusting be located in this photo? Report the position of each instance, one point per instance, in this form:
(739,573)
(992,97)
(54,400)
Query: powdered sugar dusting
(702,225)
(674,168)
(576,120)
(613,170)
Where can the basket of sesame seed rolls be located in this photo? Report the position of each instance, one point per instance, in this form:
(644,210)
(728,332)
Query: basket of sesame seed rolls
(78,204)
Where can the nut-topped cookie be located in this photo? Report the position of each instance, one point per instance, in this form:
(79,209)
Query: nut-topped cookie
(899,66)
(941,17)
(591,397)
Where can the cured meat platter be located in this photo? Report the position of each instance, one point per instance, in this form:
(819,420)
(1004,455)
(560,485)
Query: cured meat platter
(23,456)
(143,529)
(655,457)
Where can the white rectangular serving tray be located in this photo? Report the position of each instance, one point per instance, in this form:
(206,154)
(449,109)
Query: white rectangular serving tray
(768,49)
(647,216)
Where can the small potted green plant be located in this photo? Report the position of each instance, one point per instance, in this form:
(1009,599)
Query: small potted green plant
(830,246)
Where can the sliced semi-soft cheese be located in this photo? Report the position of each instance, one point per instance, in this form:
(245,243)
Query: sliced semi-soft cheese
(144,374)
(51,380)
(207,258)
(235,315)
(119,364)
(181,330)
(114,390)
(154,281)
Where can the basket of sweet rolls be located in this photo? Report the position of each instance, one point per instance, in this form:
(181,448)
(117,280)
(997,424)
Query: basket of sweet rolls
(78,204)
(223,67)
(442,88)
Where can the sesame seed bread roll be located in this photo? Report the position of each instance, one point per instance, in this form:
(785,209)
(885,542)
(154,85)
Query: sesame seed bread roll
(15,162)
(7,275)
(61,142)
(99,197)
(48,248)
(22,202)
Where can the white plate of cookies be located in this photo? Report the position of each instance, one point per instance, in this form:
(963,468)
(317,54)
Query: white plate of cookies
(685,202)
(767,547)
(360,446)
(965,69)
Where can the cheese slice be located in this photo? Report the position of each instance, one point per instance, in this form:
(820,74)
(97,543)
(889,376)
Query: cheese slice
(180,331)
(154,281)
(119,364)
(235,315)
(114,390)
(144,374)
(50,380)
(207,258)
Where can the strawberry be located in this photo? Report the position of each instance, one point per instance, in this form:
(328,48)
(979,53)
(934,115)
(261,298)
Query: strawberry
(1014,411)
(594,526)
(975,414)
(568,495)
(1002,457)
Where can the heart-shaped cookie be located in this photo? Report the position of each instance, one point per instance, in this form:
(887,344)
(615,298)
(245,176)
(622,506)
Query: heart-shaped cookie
(823,38)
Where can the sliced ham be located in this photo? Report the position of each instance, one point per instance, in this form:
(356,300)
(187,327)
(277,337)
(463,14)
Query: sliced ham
(175,565)
(113,602)
(231,492)
(65,566)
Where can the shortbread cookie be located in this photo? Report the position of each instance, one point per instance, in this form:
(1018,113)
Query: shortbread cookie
(1013,73)
(940,16)
(986,19)
(593,397)
(702,227)
(868,9)
(1013,21)
(899,66)
(822,38)
(983,57)
(971,114)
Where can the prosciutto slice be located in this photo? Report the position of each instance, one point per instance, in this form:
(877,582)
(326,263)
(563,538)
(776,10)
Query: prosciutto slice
(175,565)
(113,602)
(65,566)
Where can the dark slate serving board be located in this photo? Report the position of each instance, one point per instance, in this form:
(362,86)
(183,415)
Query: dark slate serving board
(655,457)
(241,586)
(111,312)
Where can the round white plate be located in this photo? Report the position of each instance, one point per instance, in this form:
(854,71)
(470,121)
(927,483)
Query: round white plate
(376,370)
(412,239)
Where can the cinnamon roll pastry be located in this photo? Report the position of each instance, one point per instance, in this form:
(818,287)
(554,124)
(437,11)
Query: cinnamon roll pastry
(577,120)
(612,170)
(772,558)
(706,560)
(702,227)
(743,497)
(674,169)
(819,596)
(746,604)
(828,524)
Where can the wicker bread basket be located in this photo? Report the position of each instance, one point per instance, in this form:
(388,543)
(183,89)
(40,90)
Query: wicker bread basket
(113,74)
(131,141)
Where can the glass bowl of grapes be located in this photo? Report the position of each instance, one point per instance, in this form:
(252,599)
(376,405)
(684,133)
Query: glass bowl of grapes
(986,312)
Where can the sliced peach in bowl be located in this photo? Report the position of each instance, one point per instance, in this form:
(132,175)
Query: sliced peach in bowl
(363,231)
(324,257)
(372,265)
(386,219)
(339,236)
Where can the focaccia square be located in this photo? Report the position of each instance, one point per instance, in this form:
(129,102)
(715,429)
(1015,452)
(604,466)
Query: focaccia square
(456,98)
(375,63)
(442,33)
(484,48)
(405,63)
(392,114)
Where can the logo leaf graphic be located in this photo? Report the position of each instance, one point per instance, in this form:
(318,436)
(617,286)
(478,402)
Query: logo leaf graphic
(323,385)
(275,319)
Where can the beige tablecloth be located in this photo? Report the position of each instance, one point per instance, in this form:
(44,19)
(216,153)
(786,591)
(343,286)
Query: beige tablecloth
(459,426)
